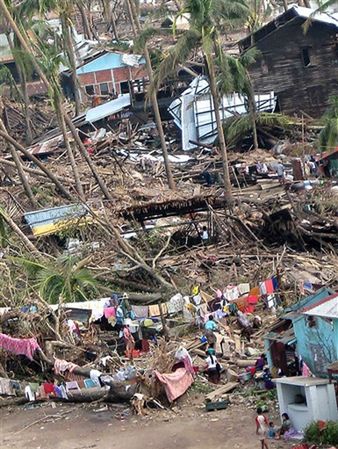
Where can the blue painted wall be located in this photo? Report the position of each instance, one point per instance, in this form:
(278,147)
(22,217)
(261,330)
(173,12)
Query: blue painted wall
(317,345)
(105,62)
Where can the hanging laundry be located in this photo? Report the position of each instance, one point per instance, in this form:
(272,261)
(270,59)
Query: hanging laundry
(269,286)
(262,288)
(197,299)
(195,290)
(48,388)
(255,291)
(243,288)
(19,346)
(154,310)
(109,311)
(275,283)
(60,366)
(140,311)
(231,292)
(175,304)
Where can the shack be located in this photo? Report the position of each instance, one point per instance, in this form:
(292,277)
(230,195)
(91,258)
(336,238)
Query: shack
(299,64)
(308,332)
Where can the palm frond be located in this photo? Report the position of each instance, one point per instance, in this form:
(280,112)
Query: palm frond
(145,35)
(328,137)
(238,127)
(178,54)
(250,56)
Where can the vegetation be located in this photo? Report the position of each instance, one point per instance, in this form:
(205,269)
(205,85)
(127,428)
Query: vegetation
(328,138)
(322,433)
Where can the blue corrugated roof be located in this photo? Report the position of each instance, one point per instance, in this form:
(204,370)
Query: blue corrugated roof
(312,299)
(107,61)
(52,215)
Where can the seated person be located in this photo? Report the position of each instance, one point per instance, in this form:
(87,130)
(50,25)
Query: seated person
(210,325)
(286,425)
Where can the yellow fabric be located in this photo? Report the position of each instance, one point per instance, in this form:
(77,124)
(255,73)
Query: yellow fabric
(195,290)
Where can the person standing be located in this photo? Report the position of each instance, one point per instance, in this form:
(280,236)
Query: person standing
(128,339)
(262,428)
(280,172)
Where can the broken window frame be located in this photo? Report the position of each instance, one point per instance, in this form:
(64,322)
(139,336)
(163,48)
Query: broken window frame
(306,57)
(104,91)
(126,85)
(90,86)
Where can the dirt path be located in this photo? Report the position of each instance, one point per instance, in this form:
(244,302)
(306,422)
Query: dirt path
(82,428)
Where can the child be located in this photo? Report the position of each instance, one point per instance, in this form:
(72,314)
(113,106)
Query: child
(261,428)
(271,430)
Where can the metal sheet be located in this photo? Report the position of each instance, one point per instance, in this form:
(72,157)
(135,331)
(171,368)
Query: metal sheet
(107,109)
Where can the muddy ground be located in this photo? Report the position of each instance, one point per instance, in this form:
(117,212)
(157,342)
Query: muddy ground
(86,427)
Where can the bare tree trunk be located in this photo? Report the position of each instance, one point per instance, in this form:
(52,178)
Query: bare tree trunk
(130,13)
(25,240)
(86,28)
(86,156)
(70,154)
(68,41)
(154,101)
(19,168)
(219,124)
(37,162)
(252,110)
(23,85)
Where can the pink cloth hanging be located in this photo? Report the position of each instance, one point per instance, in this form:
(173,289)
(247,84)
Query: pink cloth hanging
(19,346)
(269,286)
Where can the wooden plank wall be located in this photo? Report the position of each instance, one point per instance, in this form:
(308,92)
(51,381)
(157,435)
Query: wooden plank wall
(281,67)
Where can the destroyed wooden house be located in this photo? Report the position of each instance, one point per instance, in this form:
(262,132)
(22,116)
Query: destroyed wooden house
(299,64)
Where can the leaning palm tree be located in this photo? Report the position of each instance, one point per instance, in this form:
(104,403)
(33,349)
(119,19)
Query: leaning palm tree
(134,14)
(207,19)
(65,9)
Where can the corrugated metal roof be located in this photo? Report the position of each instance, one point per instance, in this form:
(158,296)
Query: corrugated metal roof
(107,109)
(48,221)
(328,308)
(307,13)
(109,61)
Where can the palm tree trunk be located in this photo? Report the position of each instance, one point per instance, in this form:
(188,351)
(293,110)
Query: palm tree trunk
(23,85)
(85,155)
(130,14)
(135,20)
(252,110)
(38,163)
(68,121)
(86,28)
(68,43)
(219,124)
(70,153)
(25,240)
(19,168)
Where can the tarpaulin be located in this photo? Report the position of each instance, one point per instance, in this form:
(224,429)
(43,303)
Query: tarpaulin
(175,384)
